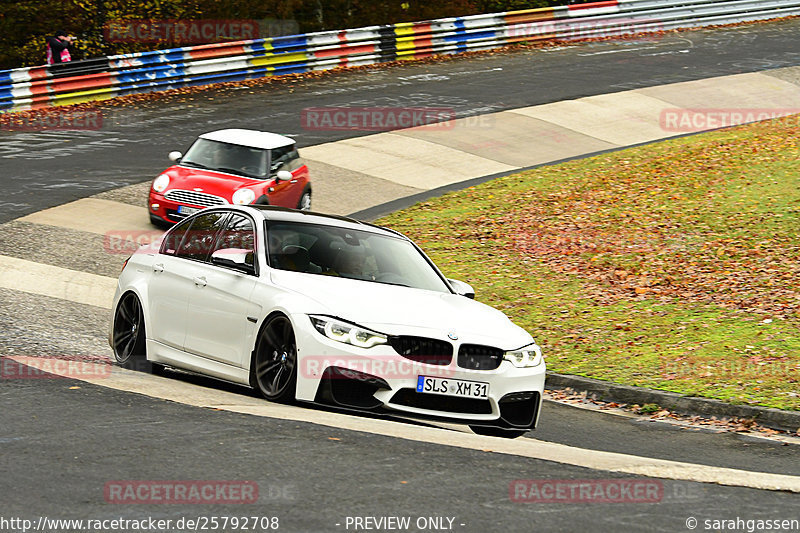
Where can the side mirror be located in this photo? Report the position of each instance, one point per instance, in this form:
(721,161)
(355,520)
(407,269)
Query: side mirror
(234,258)
(175,156)
(462,289)
(283,175)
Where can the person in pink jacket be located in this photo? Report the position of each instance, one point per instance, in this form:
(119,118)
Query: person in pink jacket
(59,48)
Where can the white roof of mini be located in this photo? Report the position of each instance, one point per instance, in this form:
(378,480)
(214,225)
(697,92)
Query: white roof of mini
(249,138)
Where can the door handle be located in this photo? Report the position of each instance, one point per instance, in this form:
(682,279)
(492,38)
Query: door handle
(159,267)
(201,281)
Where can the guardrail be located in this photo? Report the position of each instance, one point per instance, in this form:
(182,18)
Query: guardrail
(102,78)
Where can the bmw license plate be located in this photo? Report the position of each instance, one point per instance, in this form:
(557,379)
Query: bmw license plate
(184,210)
(453,387)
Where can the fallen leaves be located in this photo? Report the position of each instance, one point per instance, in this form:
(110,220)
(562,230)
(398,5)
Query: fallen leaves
(686,221)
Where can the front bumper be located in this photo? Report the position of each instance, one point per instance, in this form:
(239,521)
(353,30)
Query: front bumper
(168,210)
(380,379)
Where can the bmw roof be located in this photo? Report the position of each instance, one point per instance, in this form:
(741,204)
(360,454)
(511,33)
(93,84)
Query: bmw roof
(276,213)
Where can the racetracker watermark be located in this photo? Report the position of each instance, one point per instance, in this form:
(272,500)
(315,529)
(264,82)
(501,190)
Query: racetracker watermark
(181,492)
(53,118)
(693,120)
(586,491)
(376,118)
(24,367)
(364,368)
(180,31)
(128,241)
(598,28)
(730,369)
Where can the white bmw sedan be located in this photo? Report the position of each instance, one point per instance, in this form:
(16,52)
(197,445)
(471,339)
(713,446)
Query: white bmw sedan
(317,308)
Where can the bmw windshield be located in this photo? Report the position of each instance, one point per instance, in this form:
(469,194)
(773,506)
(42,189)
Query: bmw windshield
(350,253)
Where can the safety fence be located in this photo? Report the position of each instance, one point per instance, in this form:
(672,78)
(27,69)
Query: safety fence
(102,78)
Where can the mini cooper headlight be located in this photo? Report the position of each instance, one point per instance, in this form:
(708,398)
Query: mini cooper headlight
(347,333)
(161,183)
(526,357)
(243,197)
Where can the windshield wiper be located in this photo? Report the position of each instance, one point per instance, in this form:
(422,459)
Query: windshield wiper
(196,165)
(390,283)
(235,171)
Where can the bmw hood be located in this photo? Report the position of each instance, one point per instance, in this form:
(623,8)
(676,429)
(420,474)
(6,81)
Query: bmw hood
(398,310)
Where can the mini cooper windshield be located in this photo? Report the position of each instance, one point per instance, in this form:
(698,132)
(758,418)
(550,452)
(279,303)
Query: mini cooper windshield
(350,253)
(230,158)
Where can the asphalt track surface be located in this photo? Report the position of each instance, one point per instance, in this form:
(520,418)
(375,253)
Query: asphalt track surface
(314,477)
(61,441)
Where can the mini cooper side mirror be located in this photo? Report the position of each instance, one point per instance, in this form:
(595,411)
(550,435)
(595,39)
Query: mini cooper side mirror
(175,156)
(283,175)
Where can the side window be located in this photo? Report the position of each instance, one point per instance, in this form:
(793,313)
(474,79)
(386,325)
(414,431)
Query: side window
(173,239)
(235,246)
(285,158)
(199,239)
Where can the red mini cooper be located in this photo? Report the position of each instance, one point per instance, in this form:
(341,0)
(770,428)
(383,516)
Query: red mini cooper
(231,166)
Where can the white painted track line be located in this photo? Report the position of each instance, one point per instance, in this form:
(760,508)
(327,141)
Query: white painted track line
(56,282)
(620,119)
(405,160)
(95,215)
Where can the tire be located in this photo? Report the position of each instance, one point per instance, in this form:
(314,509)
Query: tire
(273,371)
(158,222)
(128,336)
(492,431)
(304,204)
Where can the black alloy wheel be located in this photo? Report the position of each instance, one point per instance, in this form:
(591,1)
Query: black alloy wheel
(274,369)
(128,337)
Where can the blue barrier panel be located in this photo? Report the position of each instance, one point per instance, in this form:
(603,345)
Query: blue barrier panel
(173,55)
(137,88)
(282,45)
(459,37)
(291,68)
(149,74)
(218,77)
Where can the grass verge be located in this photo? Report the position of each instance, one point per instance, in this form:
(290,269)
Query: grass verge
(674,266)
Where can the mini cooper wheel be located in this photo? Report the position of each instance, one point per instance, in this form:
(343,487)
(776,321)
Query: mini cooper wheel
(129,336)
(305,201)
(159,222)
(274,369)
(492,431)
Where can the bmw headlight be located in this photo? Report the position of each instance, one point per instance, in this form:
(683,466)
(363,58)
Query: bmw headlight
(526,357)
(161,183)
(243,197)
(338,330)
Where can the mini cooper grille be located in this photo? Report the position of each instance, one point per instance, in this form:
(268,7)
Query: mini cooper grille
(194,198)
(423,350)
(436,402)
(477,357)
